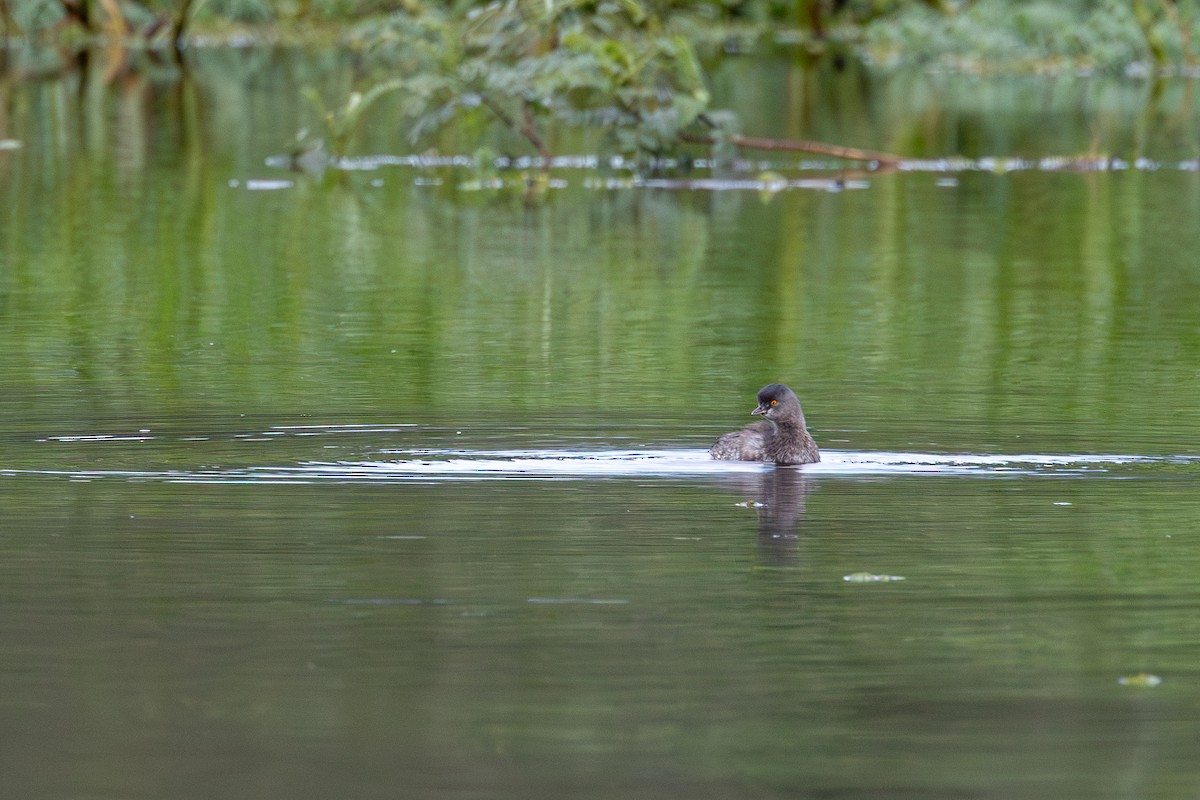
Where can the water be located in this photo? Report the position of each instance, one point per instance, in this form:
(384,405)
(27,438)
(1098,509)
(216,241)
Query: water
(656,633)
(447,463)
(390,489)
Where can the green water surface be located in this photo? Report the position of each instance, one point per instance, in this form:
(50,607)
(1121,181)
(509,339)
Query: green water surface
(648,636)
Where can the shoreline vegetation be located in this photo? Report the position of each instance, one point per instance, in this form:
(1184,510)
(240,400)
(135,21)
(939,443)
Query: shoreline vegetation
(966,35)
(633,71)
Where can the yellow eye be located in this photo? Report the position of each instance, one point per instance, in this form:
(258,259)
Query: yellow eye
(773,402)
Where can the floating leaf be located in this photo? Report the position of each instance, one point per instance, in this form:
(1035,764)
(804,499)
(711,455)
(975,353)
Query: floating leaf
(1142,679)
(867,577)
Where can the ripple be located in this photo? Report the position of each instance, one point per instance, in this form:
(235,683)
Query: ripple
(527,464)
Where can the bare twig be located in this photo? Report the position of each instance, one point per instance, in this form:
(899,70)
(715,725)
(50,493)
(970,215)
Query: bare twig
(801,146)
(529,131)
(527,128)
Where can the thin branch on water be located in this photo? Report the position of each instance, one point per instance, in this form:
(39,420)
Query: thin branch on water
(800,146)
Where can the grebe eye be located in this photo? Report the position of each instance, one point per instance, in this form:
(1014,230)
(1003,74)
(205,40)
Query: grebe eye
(773,402)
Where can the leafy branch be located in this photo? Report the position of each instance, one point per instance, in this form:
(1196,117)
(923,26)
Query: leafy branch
(532,65)
(340,124)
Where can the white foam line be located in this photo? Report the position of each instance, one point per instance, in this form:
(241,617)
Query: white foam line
(524,462)
(647,462)
(582,464)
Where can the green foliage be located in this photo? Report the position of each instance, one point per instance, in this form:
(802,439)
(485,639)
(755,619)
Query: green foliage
(247,11)
(524,63)
(1107,35)
(259,11)
(339,124)
(33,16)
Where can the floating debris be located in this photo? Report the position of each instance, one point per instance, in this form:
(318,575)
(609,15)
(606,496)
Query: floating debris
(576,601)
(867,577)
(100,437)
(395,601)
(771,181)
(262,185)
(765,176)
(1142,679)
(750,504)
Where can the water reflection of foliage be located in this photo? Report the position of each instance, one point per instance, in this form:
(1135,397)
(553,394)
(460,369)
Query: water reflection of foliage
(127,253)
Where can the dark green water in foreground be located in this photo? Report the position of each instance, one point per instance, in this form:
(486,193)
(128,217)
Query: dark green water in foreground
(193,606)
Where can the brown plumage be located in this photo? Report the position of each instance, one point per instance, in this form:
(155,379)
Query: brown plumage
(781,437)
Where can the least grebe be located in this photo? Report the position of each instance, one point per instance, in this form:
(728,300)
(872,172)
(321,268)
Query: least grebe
(781,438)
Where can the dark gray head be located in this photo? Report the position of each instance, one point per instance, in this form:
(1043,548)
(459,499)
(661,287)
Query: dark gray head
(778,403)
